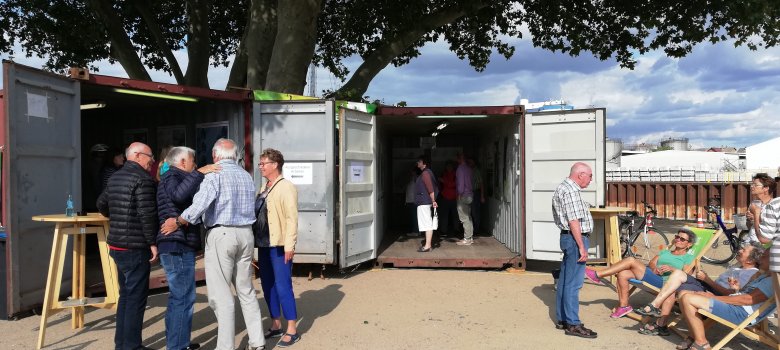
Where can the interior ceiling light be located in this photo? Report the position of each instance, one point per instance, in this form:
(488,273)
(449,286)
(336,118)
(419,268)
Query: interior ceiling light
(458,116)
(435,133)
(156,95)
(93,105)
(441,126)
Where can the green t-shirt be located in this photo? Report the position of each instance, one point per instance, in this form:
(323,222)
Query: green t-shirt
(665,257)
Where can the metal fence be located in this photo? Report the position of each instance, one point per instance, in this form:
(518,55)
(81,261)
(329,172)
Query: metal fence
(680,200)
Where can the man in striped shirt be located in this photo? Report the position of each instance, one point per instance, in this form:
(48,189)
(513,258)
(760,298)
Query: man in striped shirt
(572,216)
(769,231)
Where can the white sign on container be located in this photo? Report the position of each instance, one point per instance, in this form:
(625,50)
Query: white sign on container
(299,173)
(356,172)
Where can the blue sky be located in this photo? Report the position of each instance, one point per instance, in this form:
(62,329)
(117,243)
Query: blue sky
(718,95)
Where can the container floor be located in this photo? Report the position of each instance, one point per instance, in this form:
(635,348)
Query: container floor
(485,253)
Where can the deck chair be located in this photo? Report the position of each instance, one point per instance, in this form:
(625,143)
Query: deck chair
(755,326)
(704,240)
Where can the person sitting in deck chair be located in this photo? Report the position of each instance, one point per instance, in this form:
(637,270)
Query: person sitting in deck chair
(734,308)
(729,282)
(655,273)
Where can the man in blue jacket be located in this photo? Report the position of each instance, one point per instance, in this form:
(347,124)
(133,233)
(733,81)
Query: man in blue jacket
(177,249)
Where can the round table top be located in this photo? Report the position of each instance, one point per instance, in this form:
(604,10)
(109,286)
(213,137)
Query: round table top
(90,217)
(610,210)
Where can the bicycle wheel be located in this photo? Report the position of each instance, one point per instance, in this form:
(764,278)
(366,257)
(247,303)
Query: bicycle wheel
(721,251)
(625,232)
(645,250)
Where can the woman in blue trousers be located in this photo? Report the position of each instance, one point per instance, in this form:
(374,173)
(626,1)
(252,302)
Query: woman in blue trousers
(276,232)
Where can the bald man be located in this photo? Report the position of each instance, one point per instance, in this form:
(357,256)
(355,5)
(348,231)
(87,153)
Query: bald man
(130,201)
(572,216)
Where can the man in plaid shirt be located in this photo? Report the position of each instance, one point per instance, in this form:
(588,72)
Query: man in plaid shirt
(572,216)
(225,201)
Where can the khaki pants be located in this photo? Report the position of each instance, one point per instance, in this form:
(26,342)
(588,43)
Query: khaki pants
(228,258)
(464,214)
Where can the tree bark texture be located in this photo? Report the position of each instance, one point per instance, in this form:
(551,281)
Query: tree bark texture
(121,47)
(294,45)
(358,83)
(144,8)
(261,30)
(198,49)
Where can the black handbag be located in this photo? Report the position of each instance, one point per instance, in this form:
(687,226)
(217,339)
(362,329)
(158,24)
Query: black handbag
(260,227)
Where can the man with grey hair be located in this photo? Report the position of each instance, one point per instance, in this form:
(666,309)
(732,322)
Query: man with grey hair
(129,200)
(177,249)
(225,201)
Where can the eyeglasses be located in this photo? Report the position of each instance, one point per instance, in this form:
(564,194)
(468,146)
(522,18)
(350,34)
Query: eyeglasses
(756,185)
(680,238)
(146,154)
(262,164)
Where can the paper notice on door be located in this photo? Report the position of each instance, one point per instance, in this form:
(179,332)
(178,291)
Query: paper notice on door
(299,173)
(37,105)
(356,172)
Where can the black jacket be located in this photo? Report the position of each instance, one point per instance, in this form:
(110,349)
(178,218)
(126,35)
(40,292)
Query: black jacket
(174,195)
(129,201)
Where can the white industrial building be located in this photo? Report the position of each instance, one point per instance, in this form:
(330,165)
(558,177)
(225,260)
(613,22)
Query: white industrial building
(763,155)
(710,161)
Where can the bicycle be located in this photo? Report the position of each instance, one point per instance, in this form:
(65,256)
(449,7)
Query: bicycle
(726,247)
(653,240)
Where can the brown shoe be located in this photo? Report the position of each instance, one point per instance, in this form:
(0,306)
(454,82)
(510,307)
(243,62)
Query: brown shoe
(580,331)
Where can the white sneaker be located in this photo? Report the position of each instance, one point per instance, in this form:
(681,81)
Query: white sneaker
(465,242)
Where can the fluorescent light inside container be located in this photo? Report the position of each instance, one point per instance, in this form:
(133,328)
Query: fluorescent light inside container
(156,95)
(92,106)
(457,116)
(435,133)
(441,126)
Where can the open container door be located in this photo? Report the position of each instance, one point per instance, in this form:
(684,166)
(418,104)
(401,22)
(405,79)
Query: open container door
(358,190)
(41,130)
(554,140)
(303,131)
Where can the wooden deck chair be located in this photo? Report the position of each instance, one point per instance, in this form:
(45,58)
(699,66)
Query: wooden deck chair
(752,327)
(704,240)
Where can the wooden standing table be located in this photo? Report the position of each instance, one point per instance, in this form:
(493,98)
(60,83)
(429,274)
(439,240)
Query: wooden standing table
(78,227)
(611,232)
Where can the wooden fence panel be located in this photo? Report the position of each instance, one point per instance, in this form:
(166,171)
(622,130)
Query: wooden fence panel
(680,200)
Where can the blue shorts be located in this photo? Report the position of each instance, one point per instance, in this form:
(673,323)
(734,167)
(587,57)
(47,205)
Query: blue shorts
(652,279)
(732,313)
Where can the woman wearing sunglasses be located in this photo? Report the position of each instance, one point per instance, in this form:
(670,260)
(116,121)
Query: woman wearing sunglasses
(655,273)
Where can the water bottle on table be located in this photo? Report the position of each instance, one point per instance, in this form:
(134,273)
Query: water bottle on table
(69,207)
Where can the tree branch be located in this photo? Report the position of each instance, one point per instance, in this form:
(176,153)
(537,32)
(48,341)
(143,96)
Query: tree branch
(357,85)
(143,7)
(122,47)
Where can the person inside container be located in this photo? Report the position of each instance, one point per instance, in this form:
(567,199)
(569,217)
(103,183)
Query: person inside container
(409,206)
(159,167)
(734,308)
(112,163)
(655,273)
(479,195)
(426,190)
(729,282)
(448,201)
(762,190)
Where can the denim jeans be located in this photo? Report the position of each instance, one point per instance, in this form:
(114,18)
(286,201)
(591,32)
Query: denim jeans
(133,267)
(567,297)
(180,272)
(276,279)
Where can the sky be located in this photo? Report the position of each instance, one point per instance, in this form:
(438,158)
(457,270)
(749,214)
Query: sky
(718,95)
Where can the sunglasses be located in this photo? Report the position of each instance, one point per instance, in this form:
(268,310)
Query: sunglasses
(681,238)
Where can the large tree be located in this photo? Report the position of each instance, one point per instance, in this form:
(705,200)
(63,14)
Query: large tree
(271,43)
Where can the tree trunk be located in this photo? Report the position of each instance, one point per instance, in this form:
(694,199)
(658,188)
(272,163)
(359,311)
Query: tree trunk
(357,85)
(237,77)
(144,8)
(261,30)
(121,47)
(294,45)
(198,49)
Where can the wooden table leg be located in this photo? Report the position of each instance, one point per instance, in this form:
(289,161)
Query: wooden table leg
(79,274)
(53,281)
(110,274)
